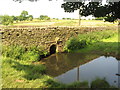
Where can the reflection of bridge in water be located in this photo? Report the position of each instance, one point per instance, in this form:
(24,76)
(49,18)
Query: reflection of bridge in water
(119,74)
(62,62)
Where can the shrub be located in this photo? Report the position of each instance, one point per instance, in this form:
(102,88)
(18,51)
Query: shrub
(14,52)
(74,44)
(100,83)
(30,55)
(83,40)
(6,20)
(21,53)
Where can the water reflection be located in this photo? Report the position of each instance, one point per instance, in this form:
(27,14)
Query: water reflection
(71,67)
(119,73)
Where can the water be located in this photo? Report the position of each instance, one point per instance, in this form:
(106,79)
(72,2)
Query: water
(71,67)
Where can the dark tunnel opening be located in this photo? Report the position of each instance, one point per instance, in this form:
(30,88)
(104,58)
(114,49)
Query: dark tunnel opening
(52,49)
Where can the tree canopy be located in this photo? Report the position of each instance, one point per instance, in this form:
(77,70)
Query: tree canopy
(110,10)
(44,17)
(6,20)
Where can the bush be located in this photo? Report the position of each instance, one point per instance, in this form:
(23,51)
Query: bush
(83,40)
(75,44)
(100,83)
(30,55)
(21,53)
(14,52)
(6,20)
(44,17)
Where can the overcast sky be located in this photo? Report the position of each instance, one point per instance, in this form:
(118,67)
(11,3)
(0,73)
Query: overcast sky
(42,7)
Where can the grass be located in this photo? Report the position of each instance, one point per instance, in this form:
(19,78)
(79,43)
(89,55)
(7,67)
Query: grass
(105,46)
(52,22)
(19,72)
(92,41)
(86,23)
(20,53)
(24,74)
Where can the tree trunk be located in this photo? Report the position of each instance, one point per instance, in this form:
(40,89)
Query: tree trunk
(79,18)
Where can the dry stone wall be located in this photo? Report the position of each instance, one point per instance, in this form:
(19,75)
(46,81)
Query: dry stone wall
(43,36)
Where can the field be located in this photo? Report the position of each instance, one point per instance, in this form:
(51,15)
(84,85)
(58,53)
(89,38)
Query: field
(52,22)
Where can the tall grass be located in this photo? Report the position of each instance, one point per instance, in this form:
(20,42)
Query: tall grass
(84,40)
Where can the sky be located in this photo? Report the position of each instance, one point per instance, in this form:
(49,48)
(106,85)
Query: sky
(42,7)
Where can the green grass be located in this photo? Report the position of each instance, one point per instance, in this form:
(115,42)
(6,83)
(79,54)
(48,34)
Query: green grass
(105,46)
(24,74)
(19,72)
(21,53)
(92,41)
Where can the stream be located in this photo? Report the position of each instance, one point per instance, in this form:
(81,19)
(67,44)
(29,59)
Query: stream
(70,67)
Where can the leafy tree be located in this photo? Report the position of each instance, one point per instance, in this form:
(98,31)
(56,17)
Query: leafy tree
(6,20)
(72,6)
(111,10)
(30,17)
(44,17)
(23,16)
(15,18)
(23,0)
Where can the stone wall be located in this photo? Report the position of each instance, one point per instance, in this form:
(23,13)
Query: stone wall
(44,36)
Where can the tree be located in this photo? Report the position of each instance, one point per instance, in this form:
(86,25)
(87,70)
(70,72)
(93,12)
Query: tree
(24,15)
(23,0)
(72,6)
(44,17)
(15,18)
(111,10)
(6,20)
(30,17)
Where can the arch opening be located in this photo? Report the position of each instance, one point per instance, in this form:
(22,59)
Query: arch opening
(52,49)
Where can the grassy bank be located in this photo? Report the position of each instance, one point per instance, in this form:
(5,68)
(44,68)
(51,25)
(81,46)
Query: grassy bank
(22,72)
(105,46)
(101,42)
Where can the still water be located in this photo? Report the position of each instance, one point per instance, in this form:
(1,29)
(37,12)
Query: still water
(71,67)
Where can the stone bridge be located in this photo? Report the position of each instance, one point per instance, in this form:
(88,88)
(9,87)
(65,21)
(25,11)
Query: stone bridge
(51,38)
